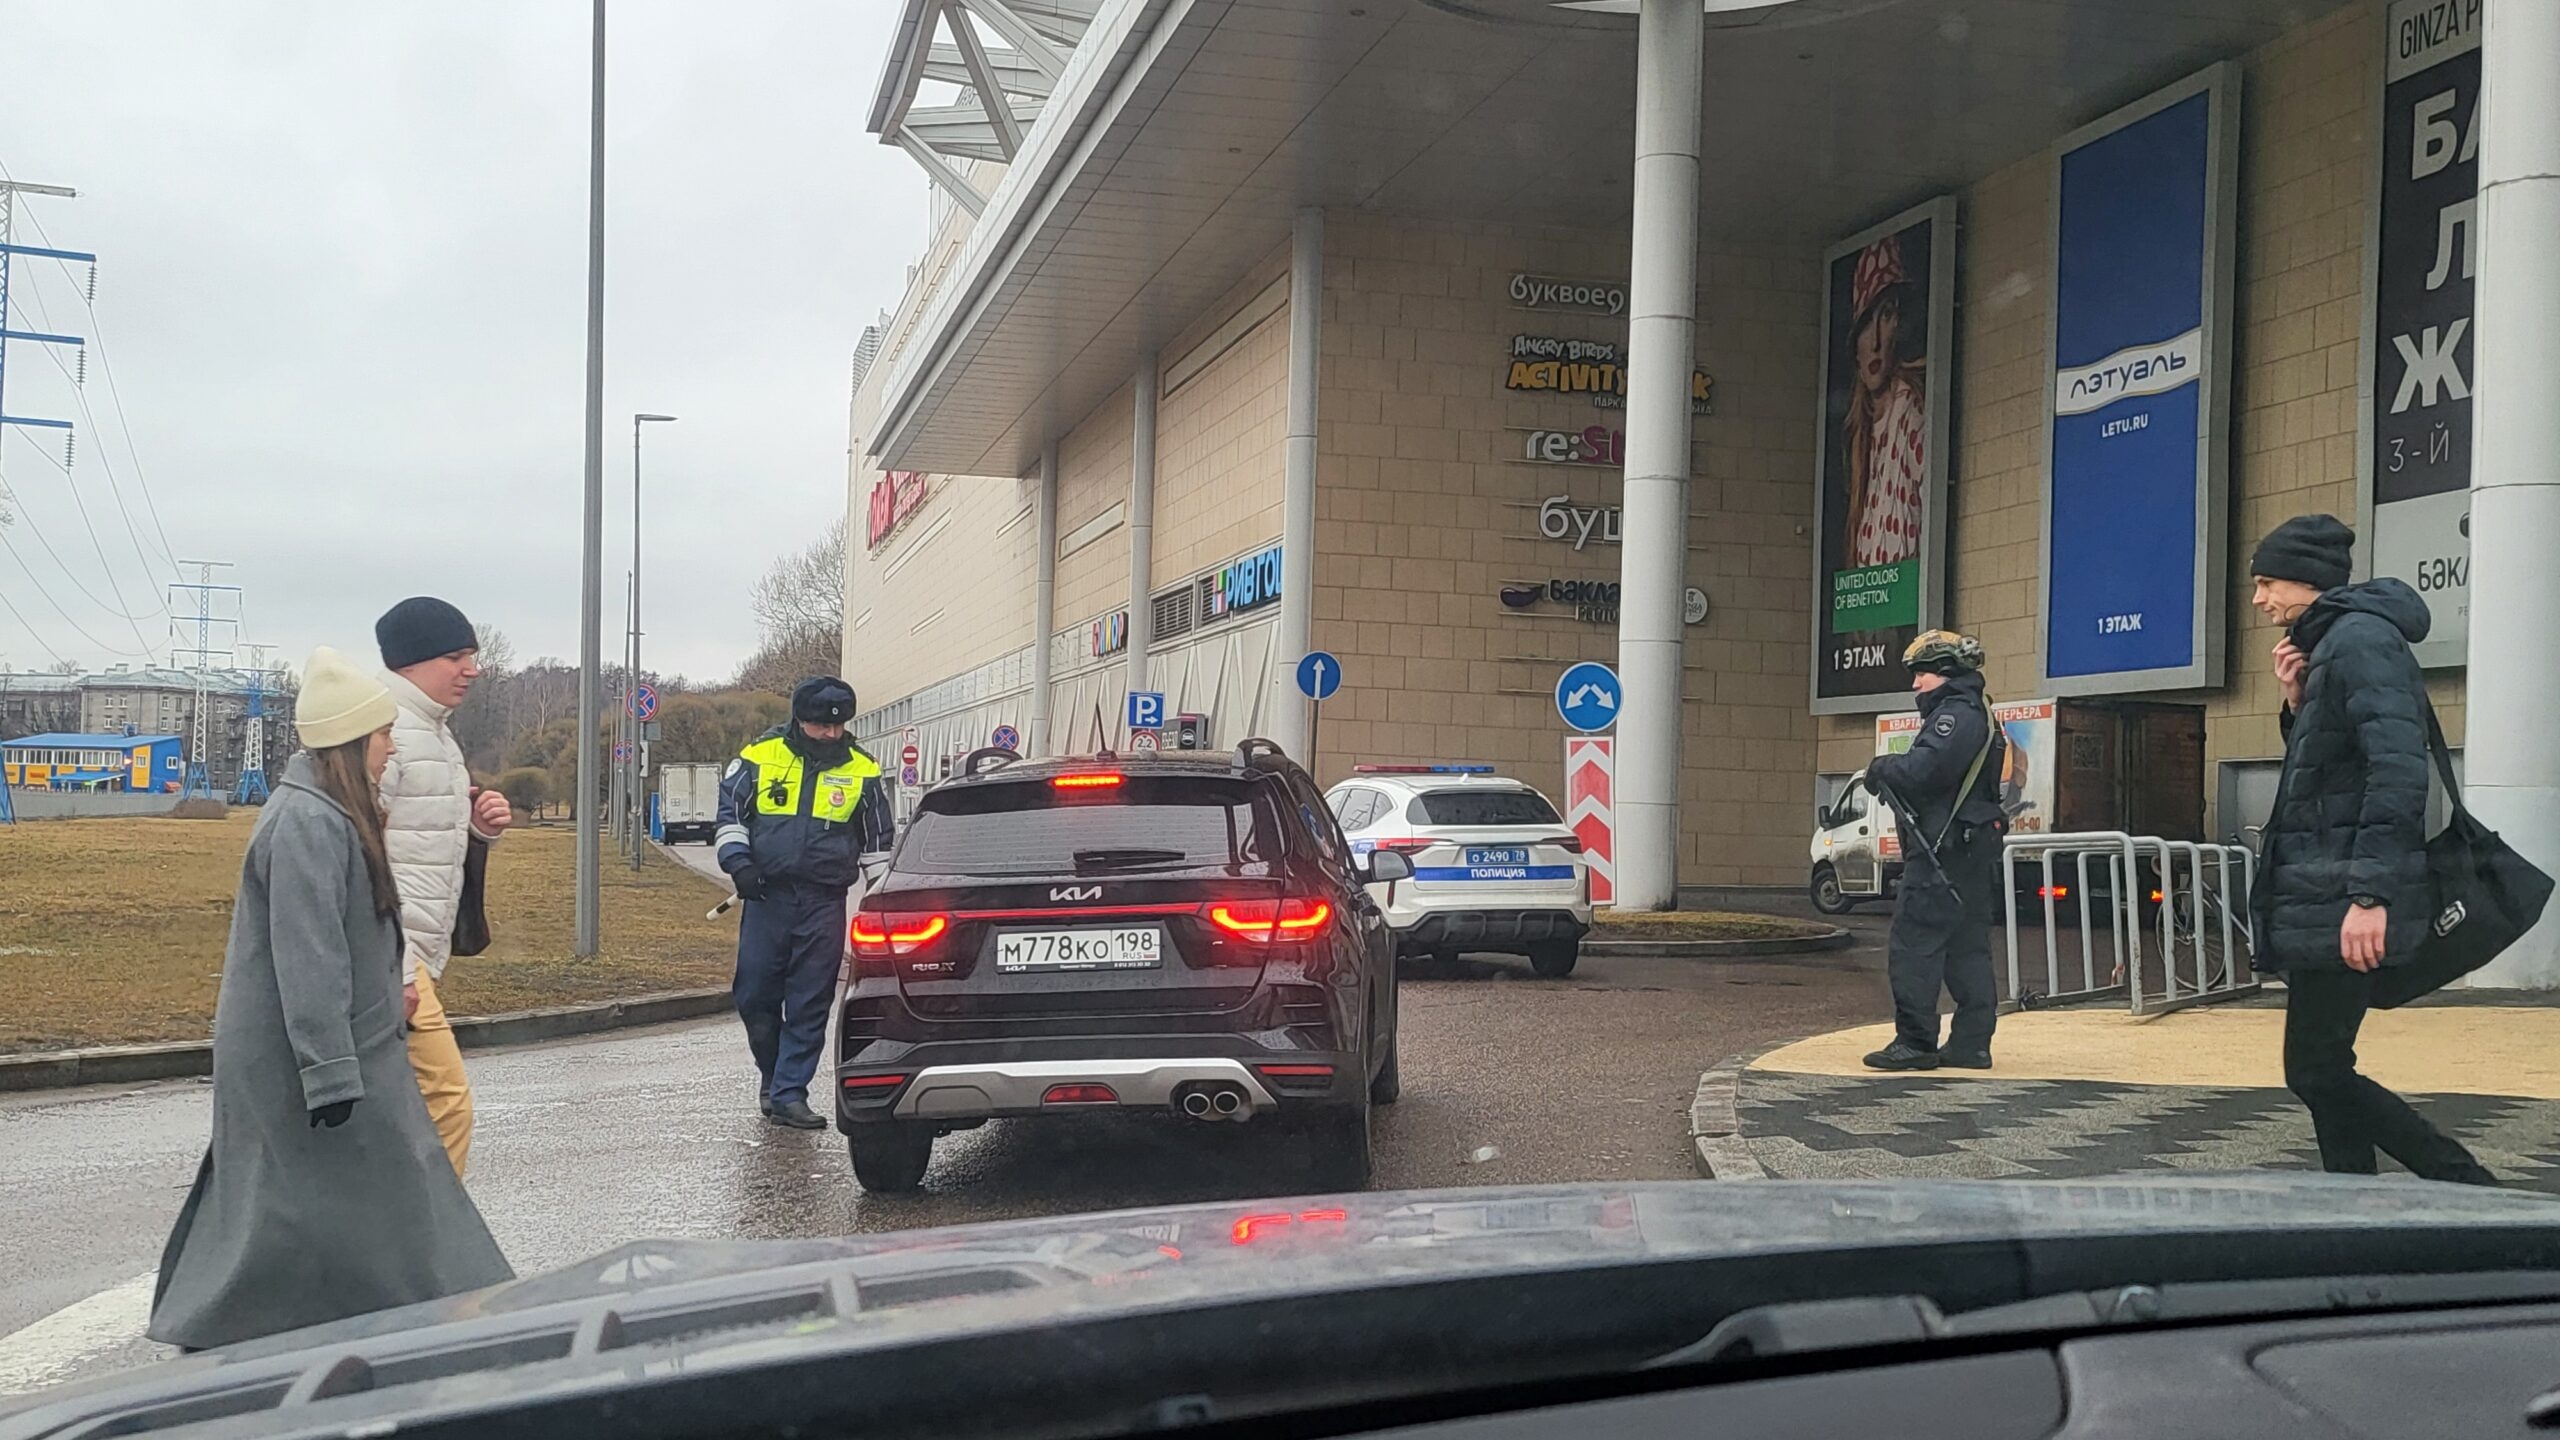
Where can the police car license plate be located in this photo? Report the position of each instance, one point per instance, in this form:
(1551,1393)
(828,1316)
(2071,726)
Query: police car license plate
(1507,855)
(1136,947)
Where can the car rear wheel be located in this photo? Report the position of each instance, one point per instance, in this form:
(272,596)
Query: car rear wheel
(1338,1152)
(1556,960)
(890,1158)
(1827,895)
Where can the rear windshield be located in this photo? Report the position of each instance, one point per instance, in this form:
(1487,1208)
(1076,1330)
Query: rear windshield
(1146,825)
(1481,807)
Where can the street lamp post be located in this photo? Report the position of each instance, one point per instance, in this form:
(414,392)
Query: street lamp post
(591,577)
(639,819)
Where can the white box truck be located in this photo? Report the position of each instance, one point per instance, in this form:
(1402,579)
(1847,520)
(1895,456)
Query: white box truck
(688,803)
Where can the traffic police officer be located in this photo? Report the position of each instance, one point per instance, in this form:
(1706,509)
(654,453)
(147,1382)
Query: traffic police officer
(803,814)
(1945,794)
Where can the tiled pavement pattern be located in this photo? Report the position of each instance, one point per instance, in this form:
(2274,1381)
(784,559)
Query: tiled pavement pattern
(1833,1127)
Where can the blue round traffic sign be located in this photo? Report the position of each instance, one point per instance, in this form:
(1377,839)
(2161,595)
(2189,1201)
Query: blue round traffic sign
(1587,696)
(1006,738)
(1319,675)
(644,702)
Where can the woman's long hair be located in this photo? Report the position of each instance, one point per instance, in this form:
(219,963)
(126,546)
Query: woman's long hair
(345,778)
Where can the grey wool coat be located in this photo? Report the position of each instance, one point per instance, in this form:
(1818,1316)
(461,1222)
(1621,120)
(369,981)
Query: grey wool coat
(290,1225)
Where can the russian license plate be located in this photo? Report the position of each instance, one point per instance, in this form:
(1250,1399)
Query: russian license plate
(1502,855)
(1136,947)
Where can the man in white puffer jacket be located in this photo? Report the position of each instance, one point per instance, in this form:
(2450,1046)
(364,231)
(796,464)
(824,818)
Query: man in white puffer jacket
(432,814)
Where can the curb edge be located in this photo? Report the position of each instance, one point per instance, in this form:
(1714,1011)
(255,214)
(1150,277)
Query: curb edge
(185,1060)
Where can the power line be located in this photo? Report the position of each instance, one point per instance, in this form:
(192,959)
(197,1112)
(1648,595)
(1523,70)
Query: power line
(67,572)
(6,544)
(32,633)
(80,394)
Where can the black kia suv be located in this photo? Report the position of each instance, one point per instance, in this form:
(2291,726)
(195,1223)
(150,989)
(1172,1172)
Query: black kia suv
(1186,933)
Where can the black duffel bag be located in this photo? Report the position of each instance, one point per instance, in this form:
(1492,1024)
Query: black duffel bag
(2486,897)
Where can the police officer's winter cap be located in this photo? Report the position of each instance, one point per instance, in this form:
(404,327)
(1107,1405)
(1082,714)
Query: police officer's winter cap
(822,700)
(1942,652)
(421,628)
(2318,550)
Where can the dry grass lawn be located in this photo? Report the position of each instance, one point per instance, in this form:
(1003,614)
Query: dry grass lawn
(112,931)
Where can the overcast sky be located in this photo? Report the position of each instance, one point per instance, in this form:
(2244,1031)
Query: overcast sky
(342,287)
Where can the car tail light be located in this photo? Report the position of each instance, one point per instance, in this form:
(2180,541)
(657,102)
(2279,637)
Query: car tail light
(880,935)
(1271,921)
(1080,1095)
(2156,897)
(1297,1072)
(872,1084)
(1571,844)
(2054,892)
(1407,845)
(1103,781)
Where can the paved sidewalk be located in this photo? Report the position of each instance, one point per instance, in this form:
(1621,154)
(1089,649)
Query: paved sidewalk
(2082,1093)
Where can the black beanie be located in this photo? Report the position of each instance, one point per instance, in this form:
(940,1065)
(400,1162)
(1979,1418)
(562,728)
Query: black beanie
(421,628)
(822,700)
(2318,550)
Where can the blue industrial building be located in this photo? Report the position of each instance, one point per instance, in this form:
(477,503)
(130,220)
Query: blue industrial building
(94,762)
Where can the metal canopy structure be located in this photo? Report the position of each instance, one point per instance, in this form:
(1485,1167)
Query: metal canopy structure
(1169,155)
(1005,72)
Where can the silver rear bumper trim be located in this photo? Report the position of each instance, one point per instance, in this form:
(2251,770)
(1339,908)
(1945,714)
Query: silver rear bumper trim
(969,1092)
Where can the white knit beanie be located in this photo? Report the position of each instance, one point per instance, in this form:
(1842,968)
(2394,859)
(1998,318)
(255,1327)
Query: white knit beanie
(339,702)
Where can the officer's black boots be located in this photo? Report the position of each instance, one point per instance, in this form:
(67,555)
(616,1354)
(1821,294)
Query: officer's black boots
(796,1114)
(1953,1059)
(1902,1055)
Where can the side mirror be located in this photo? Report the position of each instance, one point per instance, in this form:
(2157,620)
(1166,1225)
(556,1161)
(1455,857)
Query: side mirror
(1386,867)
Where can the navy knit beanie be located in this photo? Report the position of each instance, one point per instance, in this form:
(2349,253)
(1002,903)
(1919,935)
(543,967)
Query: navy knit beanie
(421,628)
(2318,550)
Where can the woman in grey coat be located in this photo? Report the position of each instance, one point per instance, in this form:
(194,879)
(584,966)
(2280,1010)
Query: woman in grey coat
(325,1192)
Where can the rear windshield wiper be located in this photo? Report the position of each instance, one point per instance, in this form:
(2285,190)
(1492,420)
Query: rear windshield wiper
(1128,858)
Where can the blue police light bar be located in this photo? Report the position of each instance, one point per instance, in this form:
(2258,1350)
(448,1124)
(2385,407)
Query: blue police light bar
(1422,769)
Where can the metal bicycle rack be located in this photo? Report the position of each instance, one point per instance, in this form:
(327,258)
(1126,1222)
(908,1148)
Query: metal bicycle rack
(2215,881)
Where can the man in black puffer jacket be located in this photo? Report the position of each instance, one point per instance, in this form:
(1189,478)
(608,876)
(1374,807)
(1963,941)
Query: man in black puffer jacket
(2342,887)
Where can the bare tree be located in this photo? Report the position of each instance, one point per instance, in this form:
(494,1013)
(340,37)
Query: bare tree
(804,590)
(799,608)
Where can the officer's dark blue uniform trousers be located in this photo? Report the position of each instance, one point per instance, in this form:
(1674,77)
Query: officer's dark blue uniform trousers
(790,948)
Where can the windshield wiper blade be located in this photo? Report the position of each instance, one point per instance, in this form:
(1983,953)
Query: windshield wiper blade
(1874,1321)
(1126,858)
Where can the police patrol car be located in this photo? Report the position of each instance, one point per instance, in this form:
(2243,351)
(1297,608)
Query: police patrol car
(1494,868)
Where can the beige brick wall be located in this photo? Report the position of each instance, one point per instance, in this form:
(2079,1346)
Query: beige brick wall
(961,594)
(1421,518)
(2305,193)
(1219,439)
(1093,476)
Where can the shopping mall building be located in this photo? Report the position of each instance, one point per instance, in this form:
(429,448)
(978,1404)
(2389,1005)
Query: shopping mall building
(1469,339)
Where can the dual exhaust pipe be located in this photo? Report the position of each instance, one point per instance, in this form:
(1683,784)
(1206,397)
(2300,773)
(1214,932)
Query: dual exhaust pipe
(1215,1102)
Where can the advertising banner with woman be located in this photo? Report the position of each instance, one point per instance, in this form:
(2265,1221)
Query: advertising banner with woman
(1888,336)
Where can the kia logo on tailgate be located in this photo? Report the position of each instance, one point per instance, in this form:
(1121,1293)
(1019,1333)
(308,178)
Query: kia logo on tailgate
(1076,892)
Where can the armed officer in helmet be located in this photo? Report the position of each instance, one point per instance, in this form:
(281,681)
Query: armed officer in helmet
(803,815)
(1945,794)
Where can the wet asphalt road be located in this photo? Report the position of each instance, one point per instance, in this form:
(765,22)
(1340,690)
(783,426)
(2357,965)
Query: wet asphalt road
(584,1145)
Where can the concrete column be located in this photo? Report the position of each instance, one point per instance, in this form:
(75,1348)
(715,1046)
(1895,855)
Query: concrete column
(1285,708)
(1044,605)
(1142,519)
(1662,306)
(2511,765)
